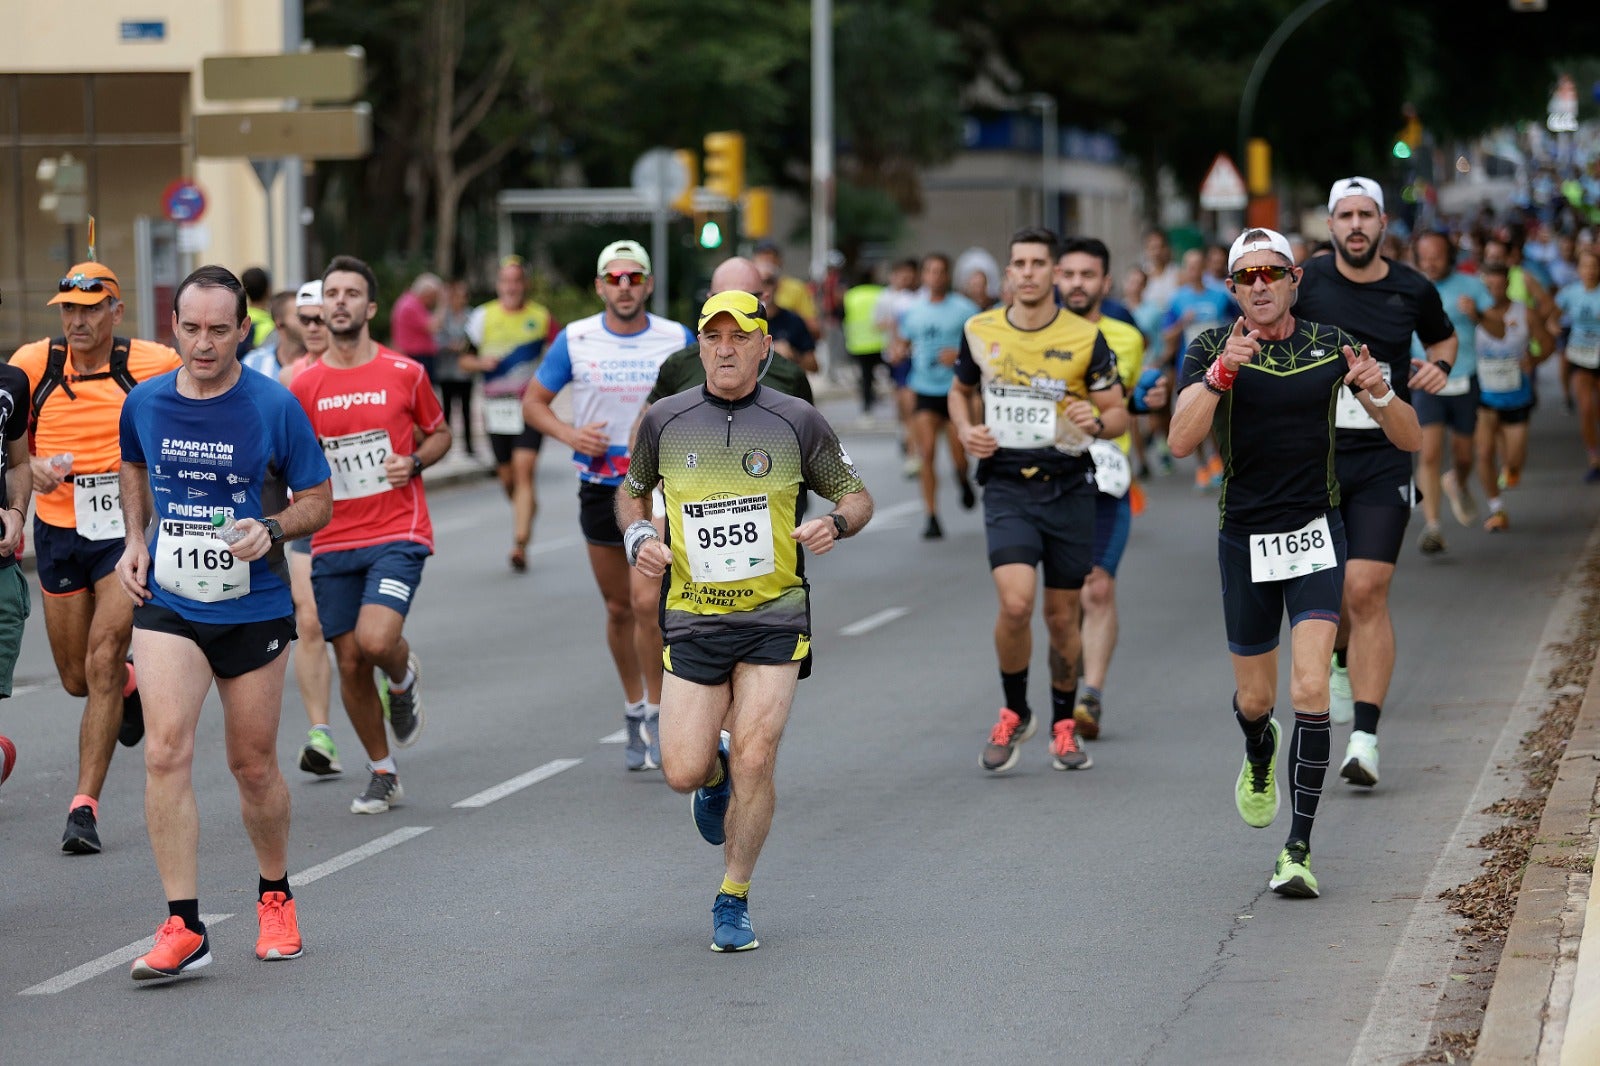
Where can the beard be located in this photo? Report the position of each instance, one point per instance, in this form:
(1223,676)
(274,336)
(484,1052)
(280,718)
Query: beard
(351,332)
(1365,258)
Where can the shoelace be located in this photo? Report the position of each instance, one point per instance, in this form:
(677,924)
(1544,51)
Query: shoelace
(1298,853)
(1004,730)
(170,928)
(1066,737)
(731,910)
(1259,771)
(379,787)
(274,919)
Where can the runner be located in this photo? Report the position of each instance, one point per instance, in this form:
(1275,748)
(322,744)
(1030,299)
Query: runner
(611,360)
(1270,388)
(1381,303)
(78,382)
(731,459)
(900,294)
(932,326)
(1083,276)
(380,425)
(15,487)
(509,335)
(1049,387)
(312,674)
(213,603)
(1505,373)
(1580,309)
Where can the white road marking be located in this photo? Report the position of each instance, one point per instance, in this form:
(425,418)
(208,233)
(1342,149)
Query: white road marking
(873,621)
(619,737)
(890,517)
(518,783)
(355,855)
(23,690)
(109,961)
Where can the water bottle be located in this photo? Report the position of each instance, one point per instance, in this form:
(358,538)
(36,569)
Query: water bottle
(1141,390)
(61,465)
(227,530)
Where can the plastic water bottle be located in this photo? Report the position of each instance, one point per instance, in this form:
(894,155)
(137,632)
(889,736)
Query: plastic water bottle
(61,465)
(1141,390)
(227,530)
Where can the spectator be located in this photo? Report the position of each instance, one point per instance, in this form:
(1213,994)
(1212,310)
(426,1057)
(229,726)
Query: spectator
(414,322)
(455,382)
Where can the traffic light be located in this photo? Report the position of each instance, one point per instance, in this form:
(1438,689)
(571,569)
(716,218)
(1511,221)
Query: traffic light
(725,164)
(1409,137)
(690,162)
(755,219)
(1401,149)
(711,234)
(1258,166)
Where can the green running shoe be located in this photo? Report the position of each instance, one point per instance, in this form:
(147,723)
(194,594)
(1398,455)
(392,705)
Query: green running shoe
(1292,875)
(320,755)
(1256,791)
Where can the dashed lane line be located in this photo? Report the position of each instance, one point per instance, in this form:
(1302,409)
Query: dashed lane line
(518,783)
(109,961)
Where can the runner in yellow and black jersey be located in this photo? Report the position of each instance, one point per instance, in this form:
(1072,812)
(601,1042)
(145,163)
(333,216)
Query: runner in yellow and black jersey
(735,612)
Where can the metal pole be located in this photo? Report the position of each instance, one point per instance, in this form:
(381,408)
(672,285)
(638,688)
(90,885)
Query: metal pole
(1252,85)
(144,293)
(658,252)
(294,193)
(1049,156)
(821,136)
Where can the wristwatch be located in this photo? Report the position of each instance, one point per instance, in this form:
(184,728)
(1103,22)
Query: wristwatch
(274,530)
(416,466)
(840,526)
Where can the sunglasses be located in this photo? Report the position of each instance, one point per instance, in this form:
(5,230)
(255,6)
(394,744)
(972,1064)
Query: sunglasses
(307,320)
(1245,277)
(616,277)
(82,283)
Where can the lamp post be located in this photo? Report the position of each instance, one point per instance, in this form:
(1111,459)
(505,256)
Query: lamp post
(1258,73)
(1049,152)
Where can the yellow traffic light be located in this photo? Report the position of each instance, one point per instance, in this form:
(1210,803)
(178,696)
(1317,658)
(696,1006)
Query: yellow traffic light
(684,204)
(725,164)
(1258,166)
(756,215)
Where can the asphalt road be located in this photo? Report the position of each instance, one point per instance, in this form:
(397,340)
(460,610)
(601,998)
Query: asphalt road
(911,908)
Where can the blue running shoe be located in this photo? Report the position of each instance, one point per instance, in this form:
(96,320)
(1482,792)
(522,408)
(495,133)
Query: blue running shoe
(730,924)
(710,805)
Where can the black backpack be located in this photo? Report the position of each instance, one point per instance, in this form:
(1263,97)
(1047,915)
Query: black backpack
(54,375)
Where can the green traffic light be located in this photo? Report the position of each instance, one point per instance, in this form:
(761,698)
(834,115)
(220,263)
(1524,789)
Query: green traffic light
(711,235)
(1402,150)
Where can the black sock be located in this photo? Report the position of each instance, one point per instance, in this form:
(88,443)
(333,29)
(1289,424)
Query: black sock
(1257,735)
(1341,657)
(1062,702)
(189,911)
(280,885)
(1308,763)
(1367,717)
(1015,686)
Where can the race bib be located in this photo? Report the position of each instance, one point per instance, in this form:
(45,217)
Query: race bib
(729,539)
(1019,417)
(97,500)
(1456,387)
(502,415)
(193,562)
(1349,414)
(356,460)
(1280,556)
(1585,353)
(1112,473)
(1499,375)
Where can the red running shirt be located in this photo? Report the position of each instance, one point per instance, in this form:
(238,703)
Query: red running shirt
(360,415)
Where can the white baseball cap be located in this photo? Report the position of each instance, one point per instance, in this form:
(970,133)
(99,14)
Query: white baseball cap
(1264,240)
(309,294)
(1355,187)
(632,251)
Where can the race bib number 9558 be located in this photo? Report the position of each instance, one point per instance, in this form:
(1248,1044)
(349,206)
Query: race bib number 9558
(729,539)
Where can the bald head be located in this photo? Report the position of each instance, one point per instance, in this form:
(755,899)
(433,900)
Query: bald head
(736,273)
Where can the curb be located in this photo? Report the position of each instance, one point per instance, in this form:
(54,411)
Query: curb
(1544,1007)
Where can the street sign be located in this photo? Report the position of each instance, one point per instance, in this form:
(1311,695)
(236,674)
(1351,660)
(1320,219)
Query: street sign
(321,133)
(183,201)
(328,76)
(1223,188)
(659,177)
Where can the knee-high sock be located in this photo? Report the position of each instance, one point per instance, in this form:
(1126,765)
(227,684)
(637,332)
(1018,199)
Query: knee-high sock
(1308,764)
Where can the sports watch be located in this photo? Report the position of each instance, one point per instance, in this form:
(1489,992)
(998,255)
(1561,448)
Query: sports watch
(841,528)
(274,530)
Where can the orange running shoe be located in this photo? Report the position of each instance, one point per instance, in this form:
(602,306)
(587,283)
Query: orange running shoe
(1136,499)
(1066,754)
(280,931)
(1497,522)
(1005,738)
(178,950)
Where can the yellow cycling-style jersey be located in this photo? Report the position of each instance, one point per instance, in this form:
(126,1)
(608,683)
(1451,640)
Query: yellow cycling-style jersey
(1127,344)
(732,474)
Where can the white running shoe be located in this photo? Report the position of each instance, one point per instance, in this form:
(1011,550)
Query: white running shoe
(1341,704)
(1361,759)
(1462,505)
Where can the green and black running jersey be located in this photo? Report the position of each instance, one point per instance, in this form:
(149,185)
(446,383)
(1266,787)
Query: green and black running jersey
(732,474)
(1275,427)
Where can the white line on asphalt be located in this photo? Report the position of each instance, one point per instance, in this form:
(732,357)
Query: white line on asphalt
(23,690)
(619,737)
(1404,1006)
(355,855)
(889,517)
(873,621)
(518,783)
(109,961)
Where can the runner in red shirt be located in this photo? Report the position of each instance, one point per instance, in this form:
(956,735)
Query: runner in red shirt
(367,404)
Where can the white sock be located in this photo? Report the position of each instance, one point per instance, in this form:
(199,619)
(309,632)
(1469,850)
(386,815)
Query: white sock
(652,710)
(385,766)
(405,683)
(1495,505)
(634,710)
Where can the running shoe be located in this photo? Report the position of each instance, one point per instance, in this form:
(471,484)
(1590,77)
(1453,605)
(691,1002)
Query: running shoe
(1510,479)
(1087,714)
(1462,505)
(636,753)
(178,950)
(710,805)
(8,758)
(1341,702)
(81,838)
(518,559)
(405,708)
(1431,542)
(1065,754)
(1008,734)
(1360,759)
(280,930)
(652,734)
(730,924)
(969,498)
(1291,876)
(132,729)
(911,467)
(383,792)
(933,531)
(320,756)
(1255,793)
(1497,522)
